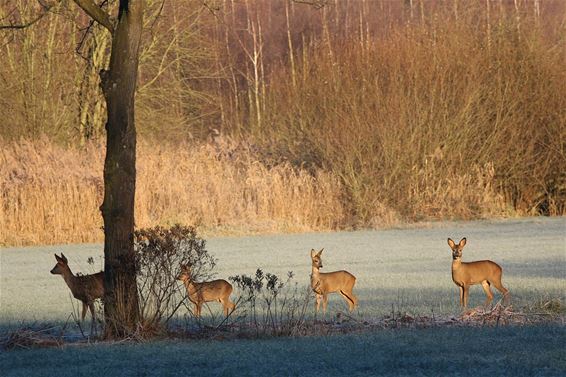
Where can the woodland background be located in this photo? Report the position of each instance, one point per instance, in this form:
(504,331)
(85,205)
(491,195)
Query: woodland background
(259,116)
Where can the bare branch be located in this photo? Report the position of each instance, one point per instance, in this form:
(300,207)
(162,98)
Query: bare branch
(96,13)
(211,7)
(46,7)
(86,32)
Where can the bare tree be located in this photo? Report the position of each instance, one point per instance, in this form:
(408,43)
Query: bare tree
(118,82)
(121,308)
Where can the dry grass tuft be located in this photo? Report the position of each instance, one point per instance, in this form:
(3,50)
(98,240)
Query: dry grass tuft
(26,338)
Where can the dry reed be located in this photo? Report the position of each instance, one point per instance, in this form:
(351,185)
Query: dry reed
(51,194)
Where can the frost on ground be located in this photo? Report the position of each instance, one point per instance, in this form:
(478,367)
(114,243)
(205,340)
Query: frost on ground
(401,270)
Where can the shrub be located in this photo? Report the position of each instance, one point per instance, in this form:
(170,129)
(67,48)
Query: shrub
(159,254)
(272,306)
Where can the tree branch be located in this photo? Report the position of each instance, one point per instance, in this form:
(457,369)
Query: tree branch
(46,8)
(96,13)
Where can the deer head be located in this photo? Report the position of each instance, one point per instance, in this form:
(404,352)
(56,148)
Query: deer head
(316,258)
(457,248)
(185,274)
(61,266)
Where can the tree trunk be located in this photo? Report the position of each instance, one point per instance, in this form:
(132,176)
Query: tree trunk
(121,307)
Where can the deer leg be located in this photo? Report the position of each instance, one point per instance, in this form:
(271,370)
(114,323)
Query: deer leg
(500,287)
(84,311)
(93,317)
(461,289)
(324,303)
(350,299)
(466,295)
(227,305)
(504,291)
(317,303)
(487,290)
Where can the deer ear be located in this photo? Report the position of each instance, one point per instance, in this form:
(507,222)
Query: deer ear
(313,252)
(451,243)
(462,242)
(57,257)
(64,258)
(320,252)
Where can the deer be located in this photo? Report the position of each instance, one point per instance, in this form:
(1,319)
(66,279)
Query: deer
(85,288)
(323,283)
(207,291)
(465,274)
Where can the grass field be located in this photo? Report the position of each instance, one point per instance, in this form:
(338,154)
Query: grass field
(404,269)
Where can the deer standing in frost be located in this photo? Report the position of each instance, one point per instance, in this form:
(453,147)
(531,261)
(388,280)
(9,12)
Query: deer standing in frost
(86,288)
(330,282)
(199,293)
(465,274)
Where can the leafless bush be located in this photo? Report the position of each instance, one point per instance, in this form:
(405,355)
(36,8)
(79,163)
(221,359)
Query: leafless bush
(160,252)
(270,305)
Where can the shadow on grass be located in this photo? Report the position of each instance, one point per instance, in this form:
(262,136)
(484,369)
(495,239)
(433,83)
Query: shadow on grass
(388,309)
(518,351)
(373,304)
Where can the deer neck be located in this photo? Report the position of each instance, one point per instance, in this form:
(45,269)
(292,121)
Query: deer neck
(69,278)
(315,272)
(315,280)
(456,264)
(190,285)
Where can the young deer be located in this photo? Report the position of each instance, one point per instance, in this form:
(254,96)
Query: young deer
(484,272)
(86,288)
(199,293)
(324,283)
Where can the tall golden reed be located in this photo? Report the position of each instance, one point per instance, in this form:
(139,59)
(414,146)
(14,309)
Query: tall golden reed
(50,194)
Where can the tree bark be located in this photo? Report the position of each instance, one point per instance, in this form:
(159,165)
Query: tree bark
(121,306)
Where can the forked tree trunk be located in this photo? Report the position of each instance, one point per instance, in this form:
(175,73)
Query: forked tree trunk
(121,307)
